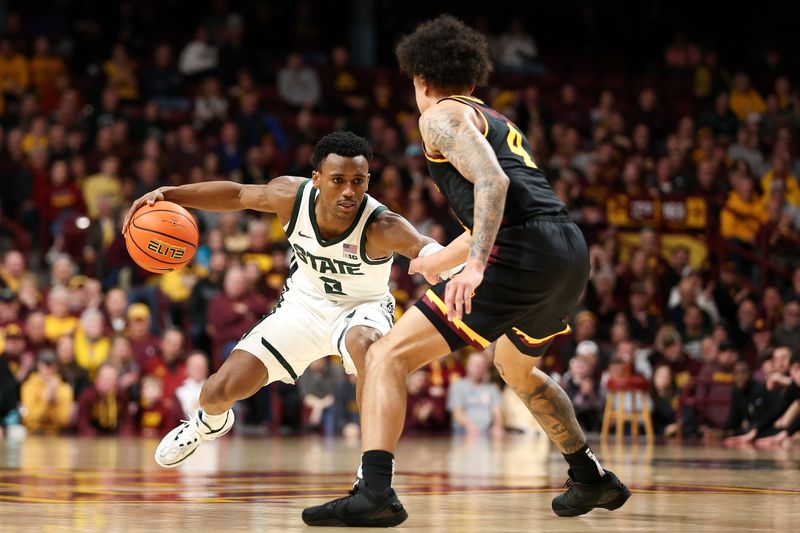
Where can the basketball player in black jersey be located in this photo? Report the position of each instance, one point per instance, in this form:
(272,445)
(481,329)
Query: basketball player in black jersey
(526,266)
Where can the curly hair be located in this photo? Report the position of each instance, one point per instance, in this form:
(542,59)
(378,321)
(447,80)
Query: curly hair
(446,53)
(343,143)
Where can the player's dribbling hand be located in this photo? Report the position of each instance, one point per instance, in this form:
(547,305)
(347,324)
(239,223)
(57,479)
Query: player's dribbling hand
(459,291)
(149,199)
(426,267)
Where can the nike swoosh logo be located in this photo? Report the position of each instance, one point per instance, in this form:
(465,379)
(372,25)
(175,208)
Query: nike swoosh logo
(301,234)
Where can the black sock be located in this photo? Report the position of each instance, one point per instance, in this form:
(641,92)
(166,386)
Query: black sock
(377,467)
(584,465)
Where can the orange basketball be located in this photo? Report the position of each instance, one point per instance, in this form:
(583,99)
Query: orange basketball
(162,237)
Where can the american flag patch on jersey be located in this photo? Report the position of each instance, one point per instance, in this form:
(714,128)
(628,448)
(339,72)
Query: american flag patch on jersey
(350,251)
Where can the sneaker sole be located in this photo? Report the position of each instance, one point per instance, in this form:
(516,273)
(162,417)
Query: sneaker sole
(186,457)
(178,462)
(613,505)
(391,521)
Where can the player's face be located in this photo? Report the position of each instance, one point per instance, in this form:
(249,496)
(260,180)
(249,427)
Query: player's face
(342,183)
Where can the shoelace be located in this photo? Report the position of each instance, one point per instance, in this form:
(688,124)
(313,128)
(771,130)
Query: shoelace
(186,424)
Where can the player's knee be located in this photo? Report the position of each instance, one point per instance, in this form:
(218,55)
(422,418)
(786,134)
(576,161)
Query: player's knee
(382,357)
(360,345)
(515,369)
(365,341)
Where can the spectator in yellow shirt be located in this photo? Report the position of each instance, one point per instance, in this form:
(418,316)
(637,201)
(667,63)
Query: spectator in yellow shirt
(14,75)
(91,346)
(780,172)
(121,73)
(36,137)
(740,222)
(58,321)
(106,183)
(13,270)
(745,100)
(743,214)
(46,67)
(47,402)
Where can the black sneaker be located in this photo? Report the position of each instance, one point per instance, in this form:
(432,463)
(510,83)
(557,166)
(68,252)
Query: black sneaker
(363,507)
(580,498)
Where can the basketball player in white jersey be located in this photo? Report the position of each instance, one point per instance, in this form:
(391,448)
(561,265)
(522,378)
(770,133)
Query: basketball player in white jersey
(336,299)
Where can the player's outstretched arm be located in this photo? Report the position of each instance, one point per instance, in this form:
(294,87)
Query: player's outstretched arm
(277,196)
(449,129)
(391,233)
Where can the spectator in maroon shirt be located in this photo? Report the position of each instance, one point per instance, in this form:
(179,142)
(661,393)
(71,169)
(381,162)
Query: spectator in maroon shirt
(188,153)
(121,356)
(424,412)
(158,412)
(569,110)
(603,298)
(232,312)
(669,352)
(102,408)
(145,346)
(115,307)
(60,198)
(169,366)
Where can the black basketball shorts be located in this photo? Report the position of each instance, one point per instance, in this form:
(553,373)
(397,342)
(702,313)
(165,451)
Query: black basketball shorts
(535,275)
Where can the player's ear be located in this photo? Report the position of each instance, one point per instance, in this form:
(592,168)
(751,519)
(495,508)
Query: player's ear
(367,182)
(425,87)
(315,178)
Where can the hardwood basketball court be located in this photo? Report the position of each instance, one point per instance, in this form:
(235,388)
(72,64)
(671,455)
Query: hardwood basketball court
(260,484)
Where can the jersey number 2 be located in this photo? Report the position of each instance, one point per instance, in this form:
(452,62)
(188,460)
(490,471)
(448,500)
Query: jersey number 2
(515,145)
(332,286)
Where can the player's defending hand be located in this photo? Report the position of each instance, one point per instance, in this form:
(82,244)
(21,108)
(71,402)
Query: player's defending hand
(149,199)
(459,291)
(427,266)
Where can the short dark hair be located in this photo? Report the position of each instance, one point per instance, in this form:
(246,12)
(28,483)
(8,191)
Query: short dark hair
(343,143)
(446,53)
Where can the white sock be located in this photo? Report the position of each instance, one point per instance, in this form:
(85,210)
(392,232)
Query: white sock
(213,421)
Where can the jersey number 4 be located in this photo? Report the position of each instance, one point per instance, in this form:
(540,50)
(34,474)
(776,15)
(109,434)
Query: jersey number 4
(515,145)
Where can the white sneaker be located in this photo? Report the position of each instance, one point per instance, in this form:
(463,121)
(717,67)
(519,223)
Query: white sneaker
(181,442)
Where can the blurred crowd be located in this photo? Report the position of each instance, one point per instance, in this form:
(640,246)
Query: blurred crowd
(684,184)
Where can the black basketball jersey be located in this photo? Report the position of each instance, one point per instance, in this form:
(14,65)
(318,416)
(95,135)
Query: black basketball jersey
(529,194)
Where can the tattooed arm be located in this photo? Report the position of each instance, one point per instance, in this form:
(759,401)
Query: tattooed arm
(449,128)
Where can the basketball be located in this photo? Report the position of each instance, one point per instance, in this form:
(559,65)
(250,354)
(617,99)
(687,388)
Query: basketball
(162,237)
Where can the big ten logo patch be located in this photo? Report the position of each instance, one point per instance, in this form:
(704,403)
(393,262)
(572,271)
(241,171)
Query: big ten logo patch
(166,249)
(350,251)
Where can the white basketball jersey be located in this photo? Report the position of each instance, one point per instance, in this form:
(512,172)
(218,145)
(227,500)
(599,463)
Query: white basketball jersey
(337,269)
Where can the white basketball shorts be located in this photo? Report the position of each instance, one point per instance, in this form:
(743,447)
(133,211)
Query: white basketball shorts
(305,327)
